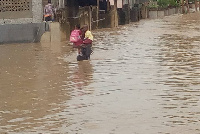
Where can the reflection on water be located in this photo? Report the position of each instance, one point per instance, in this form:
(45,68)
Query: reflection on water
(31,84)
(80,76)
(142,78)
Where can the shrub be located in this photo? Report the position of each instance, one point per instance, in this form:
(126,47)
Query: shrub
(153,4)
(173,3)
(163,3)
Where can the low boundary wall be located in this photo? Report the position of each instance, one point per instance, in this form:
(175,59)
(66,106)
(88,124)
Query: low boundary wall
(21,33)
(157,14)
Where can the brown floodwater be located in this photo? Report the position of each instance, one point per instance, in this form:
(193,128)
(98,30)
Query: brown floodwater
(143,78)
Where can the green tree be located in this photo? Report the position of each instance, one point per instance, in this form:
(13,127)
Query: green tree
(173,3)
(163,3)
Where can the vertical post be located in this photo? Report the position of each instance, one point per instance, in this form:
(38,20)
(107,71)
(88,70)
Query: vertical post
(182,3)
(61,4)
(97,13)
(195,1)
(90,18)
(115,4)
(199,5)
(115,16)
(128,11)
(187,4)
(108,5)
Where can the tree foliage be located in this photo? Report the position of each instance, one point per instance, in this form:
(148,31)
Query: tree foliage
(167,3)
(163,3)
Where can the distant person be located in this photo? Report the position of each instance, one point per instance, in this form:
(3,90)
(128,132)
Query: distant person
(76,38)
(48,12)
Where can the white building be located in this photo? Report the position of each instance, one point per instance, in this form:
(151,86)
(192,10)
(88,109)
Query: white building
(22,11)
(119,3)
(21,21)
(131,2)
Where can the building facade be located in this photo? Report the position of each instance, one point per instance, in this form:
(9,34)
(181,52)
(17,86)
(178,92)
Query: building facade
(21,16)
(21,11)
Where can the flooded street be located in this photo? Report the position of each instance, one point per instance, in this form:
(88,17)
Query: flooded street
(143,78)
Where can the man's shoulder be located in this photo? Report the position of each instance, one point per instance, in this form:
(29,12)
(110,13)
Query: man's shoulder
(88,32)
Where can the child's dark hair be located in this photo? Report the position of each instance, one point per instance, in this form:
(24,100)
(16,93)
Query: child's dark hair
(77,26)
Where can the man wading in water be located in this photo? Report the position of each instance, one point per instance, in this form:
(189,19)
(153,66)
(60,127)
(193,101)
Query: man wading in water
(87,41)
(82,40)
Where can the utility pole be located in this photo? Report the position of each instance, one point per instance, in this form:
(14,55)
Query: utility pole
(97,13)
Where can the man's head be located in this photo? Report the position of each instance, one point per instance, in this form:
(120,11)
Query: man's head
(49,1)
(85,27)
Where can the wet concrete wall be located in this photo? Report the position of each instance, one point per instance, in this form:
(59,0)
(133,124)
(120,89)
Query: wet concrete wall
(171,11)
(166,12)
(14,33)
(177,10)
(21,22)
(153,14)
(185,9)
(144,11)
(57,32)
(161,14)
